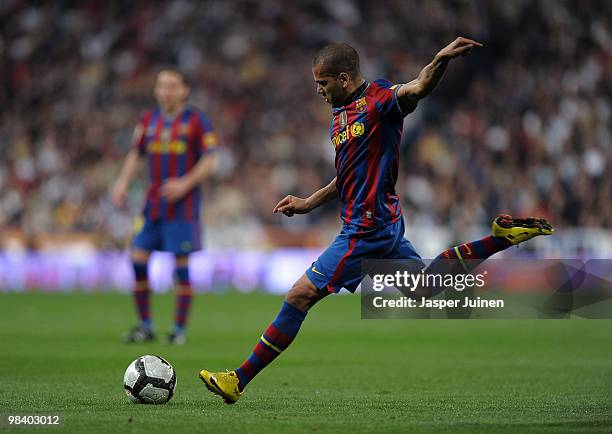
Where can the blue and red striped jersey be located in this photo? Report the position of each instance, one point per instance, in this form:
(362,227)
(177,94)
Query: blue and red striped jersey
(366,133)
(173,146)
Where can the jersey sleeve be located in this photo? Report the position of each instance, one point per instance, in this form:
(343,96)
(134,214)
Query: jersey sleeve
(385,95)
(140,134)
(207,136)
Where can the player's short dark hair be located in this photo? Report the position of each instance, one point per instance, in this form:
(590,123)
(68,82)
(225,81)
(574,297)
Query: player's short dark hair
(174,70)
(338,57)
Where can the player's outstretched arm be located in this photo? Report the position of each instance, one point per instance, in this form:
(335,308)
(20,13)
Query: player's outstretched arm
(291,205)
(409,94)
(129,169)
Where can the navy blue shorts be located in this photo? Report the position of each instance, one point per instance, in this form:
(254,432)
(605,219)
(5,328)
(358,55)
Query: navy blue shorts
(180,237)
(339,266)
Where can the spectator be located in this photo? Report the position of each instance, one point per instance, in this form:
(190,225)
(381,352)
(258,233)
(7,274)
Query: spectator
(530,112)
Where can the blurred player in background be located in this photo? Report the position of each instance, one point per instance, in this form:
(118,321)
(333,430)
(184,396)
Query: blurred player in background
(178,144)
(365,132)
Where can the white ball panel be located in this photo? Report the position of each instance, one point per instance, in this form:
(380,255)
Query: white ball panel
(155,368)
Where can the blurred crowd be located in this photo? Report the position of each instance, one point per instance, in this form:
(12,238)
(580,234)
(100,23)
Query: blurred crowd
(522,125)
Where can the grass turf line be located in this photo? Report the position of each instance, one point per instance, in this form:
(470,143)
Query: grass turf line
(62,353)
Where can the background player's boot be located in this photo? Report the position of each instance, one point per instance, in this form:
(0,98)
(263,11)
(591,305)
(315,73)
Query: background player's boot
(139,334)
(224,384)
(520,230)
(177,338)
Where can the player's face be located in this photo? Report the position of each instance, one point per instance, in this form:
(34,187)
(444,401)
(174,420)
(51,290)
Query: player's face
(331,88)
(170,90)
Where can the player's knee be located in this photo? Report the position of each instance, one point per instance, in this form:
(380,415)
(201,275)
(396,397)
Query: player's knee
(302,296)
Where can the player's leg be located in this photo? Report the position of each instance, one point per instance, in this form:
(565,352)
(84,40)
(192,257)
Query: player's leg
(464,258)
(506,232)
(142,290)
(275,339)
(339,266)
(181,238)
(184,296)
(141,294)
(145,241)
(282,331)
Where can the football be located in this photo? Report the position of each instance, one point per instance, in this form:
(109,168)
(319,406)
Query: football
(149,380)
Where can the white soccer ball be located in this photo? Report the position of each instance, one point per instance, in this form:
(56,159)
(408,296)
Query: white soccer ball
(149,380)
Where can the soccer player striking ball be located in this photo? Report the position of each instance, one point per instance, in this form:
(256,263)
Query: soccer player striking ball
(178,143)
(365,131)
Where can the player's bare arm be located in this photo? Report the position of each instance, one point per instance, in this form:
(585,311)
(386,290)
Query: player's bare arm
(128,171)
(409,94)
(291,205)
(174,189)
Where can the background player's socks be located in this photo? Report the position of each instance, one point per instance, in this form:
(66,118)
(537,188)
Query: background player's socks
(276,338)
(142,294)
(184,297)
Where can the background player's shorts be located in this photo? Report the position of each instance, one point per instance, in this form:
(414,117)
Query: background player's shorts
(180,237)
(339,266)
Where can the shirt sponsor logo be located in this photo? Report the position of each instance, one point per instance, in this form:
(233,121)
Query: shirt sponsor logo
(173,147)
(354,130)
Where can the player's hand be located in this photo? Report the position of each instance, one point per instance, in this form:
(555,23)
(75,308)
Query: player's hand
(119,194)
(174,189)
(292,205)
(459,47)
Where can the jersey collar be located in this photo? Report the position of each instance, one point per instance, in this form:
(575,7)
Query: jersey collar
(358,93)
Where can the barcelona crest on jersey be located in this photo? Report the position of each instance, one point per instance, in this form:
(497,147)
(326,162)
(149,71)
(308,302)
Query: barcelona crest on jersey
(360,105)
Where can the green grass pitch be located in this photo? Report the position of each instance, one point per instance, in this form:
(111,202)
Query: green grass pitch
(61,353)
